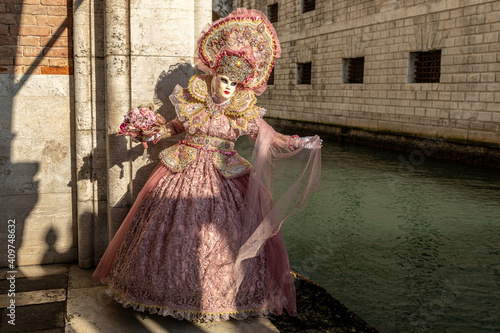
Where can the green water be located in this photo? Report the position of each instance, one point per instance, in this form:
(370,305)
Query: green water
(408,243)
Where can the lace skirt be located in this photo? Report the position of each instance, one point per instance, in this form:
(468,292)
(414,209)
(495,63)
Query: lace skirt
(177,255)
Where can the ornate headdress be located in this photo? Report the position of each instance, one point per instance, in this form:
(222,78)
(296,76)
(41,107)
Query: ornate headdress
(243,46)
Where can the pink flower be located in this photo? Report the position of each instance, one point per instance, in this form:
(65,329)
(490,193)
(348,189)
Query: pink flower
(142,124)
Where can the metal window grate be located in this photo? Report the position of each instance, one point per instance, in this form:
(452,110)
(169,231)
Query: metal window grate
(427,66)
(304,73)
(355,70)
(270,80)
(308,5)
(272,12)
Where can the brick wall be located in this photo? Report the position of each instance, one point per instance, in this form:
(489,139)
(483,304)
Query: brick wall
(35,36)
(463,108)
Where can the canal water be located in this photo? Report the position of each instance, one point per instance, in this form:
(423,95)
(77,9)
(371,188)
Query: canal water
(408,243)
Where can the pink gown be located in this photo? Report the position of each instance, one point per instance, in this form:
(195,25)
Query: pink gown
(175,253)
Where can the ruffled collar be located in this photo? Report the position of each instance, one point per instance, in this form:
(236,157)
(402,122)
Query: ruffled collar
(200,88)
(198,105)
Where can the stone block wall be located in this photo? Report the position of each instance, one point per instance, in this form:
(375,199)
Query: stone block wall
(463,108)
(36,95)
(68,73)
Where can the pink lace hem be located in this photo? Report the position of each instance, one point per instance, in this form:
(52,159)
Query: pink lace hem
(186,314)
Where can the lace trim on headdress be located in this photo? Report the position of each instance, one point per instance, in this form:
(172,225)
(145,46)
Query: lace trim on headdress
(185,314)
(197,106)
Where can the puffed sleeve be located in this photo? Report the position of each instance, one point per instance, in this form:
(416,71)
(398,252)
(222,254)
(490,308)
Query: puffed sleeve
(174,127)
(291,142)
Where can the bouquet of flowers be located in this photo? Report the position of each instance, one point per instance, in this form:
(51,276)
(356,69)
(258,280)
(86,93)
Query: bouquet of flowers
(143,124)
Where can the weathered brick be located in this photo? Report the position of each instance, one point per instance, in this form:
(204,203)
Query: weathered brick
(60,62)
(34,9)
(491,37)
(9,51)
(484,116)
(55,70)
(27,61)
(49,20)
(486,97)
(13,8)
(487,77)
(7,69)
(56,2)
(29,41)
(57,10)
(55,42)
(8,40)
(32,51)
(56,52)
(4,61)
(7,18)
(495,117)
(28,30)
(65,32)
(27,19)
(27,69)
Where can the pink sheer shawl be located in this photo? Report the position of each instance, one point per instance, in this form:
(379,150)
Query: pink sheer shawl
(297,174)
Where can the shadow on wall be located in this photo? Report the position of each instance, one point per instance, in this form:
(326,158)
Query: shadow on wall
(19,187)
(94,165)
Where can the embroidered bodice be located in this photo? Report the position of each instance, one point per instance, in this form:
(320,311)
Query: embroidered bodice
(195,107)
(211,127)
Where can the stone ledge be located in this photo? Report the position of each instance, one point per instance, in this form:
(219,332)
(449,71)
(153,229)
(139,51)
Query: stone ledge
(465,151)
(34,297)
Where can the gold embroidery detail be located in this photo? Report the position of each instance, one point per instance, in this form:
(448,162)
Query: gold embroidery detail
(198,86)
(210,142)
(177,157)
(194,104)
(231,166)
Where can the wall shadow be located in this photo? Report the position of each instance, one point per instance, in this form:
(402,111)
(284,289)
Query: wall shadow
(19,187)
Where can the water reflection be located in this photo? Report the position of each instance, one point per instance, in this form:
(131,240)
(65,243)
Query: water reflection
(410,245)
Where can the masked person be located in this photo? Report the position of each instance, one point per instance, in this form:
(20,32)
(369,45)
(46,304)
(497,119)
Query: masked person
(203,241)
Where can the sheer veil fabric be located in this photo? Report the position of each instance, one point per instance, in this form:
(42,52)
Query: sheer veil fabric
(280,184)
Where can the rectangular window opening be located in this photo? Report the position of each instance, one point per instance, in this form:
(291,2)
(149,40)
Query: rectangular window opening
(353,70)
(424,67)
(270,80)
(308,5)
(272,12)
(304,73)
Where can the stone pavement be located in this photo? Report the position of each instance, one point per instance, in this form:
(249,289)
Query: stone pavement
(63,298)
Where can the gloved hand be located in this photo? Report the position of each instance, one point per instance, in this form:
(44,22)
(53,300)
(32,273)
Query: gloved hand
(308,143)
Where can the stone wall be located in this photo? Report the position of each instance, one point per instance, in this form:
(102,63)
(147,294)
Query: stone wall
(36,96)
(463,108)
(65,177)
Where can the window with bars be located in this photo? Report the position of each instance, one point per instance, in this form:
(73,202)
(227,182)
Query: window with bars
(272,12)
(304,73)
(308,5)
(424,67)
(270,80)
(353,70)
